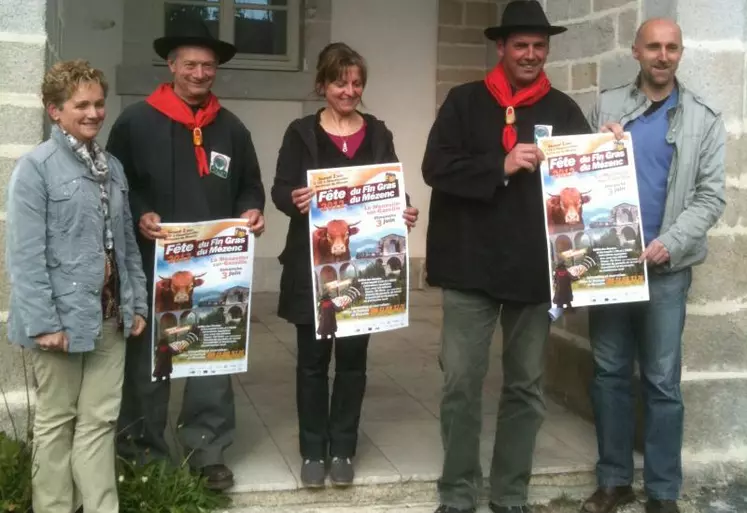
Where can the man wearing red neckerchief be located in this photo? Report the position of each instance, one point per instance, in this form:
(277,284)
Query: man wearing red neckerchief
(486,248)
(187,159)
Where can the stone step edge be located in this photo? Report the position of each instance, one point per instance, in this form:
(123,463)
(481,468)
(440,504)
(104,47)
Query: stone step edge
(543,488)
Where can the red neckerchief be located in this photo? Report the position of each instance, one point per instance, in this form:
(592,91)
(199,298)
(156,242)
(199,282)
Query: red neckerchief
(165,100)
(500,88)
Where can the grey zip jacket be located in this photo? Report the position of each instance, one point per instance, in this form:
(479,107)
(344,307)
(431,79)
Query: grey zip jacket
(695,186)
(55,248)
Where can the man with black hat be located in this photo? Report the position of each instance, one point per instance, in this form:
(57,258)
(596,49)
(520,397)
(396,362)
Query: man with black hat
(486,249)
(187,159)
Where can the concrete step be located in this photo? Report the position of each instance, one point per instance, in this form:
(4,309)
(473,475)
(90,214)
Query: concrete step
(399,496)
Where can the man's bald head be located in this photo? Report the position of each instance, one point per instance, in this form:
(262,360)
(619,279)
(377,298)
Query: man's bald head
(658,48)
(654,25)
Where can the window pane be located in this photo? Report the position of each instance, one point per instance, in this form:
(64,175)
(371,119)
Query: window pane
(174,13)
(262,2)
(261,31)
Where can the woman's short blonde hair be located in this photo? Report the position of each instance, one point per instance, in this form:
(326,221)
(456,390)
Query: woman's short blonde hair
(63,79)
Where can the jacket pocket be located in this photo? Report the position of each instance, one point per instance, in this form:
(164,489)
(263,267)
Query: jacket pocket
(64,204)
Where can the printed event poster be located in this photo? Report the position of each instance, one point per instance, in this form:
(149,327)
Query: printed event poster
(202,299)
(592,220)
(359,251)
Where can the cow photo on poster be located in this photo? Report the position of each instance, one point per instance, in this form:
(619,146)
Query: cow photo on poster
(592,220)
(202,299)
(359,249)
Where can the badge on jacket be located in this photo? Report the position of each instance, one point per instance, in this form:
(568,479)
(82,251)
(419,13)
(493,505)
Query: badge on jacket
(219,164)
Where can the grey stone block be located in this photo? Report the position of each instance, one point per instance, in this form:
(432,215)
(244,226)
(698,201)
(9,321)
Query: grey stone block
(627,25)
(715,415)
(559,10)
(6,168)
(736,151)
(24,17)
(460,75)
(479,14)
(719,277)
(450,12)
(584,75)
(585,101)
(715,343)
(601,5)
(711,74)
(712,20)
(559,76)
(577,322)
(13,384)
(584,39)
(473,56)
(617,70)
(24,67)
(569,370)
(659,9)
(21,125)
(736,208)
(461,35)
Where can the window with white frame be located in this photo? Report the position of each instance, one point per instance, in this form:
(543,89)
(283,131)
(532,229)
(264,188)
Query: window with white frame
(266,33)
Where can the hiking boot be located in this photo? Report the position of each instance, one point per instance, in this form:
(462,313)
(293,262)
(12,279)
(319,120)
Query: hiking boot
(341,472)
(607,500)
(217,477)
(313,473)
(495,508)
(451,509)
(657,506)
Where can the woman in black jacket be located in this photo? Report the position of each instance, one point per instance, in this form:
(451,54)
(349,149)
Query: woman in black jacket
(336,136)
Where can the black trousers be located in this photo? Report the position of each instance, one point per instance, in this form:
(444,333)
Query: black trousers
(329,427)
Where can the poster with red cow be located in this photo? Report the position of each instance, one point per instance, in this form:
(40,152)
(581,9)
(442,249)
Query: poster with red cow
(592,221)
(202,299)
(359,250)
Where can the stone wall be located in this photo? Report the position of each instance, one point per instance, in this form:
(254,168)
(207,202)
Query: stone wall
(595,54)
(25,48)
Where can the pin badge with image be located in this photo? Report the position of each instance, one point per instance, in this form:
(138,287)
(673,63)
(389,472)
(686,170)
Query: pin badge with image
(219,164)
(542,131)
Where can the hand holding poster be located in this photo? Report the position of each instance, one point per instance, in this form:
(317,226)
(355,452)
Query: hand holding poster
(359,249)
(592,220)
(201,299)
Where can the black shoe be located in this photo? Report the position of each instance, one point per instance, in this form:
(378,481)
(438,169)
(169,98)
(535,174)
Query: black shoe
(341,472)
(217,477)
(607,500)
(451,509)
(495,508)
(657,506)
(313,473)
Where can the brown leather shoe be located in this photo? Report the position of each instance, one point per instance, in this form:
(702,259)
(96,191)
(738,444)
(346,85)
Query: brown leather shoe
(607,500)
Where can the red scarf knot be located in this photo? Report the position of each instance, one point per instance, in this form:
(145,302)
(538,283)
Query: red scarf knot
(165,100)
(499,86)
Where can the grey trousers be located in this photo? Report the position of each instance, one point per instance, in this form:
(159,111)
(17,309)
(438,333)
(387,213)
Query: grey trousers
(206,423)
(469,322)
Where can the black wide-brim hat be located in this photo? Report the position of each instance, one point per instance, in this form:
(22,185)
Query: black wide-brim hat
(187,29)
(523,16)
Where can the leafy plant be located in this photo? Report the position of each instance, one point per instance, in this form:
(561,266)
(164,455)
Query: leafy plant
(160,487)
(15,475)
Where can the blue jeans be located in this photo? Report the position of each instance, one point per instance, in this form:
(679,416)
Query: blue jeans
(653,331)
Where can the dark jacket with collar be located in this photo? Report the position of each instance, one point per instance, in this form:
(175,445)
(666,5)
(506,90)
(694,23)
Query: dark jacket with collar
(299,153)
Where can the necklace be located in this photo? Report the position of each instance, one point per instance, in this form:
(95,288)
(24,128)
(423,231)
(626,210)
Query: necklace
(339,134)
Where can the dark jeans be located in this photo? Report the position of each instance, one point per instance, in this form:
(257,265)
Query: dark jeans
(323,426)
(206,423)
(469,322)
(653,331)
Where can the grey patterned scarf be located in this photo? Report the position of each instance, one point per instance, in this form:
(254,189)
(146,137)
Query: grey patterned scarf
(99,169)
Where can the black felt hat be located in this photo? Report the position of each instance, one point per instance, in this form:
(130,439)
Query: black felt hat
(188,29)
(523,16)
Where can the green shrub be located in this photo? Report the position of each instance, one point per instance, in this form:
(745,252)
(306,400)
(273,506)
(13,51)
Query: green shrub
(15,475)
(160,487)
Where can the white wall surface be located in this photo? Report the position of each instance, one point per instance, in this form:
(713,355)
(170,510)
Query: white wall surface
(398,39)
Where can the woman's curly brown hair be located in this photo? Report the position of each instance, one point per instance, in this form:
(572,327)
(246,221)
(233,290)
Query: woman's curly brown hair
(64,77)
